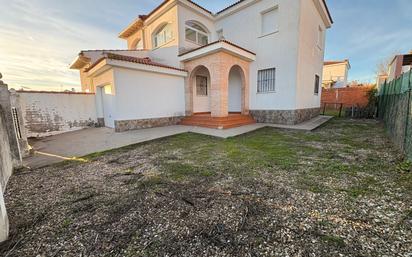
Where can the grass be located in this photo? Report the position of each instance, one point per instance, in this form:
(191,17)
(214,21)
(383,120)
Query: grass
(271,192)
(311,158)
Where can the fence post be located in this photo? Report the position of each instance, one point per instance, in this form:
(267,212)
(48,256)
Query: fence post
(340,110)
(408,113)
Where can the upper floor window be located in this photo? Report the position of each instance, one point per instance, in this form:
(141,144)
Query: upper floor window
(270,21)
(196,33)
(163,35)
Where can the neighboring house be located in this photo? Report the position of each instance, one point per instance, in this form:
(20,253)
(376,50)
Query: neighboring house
(399,65)
(258,57)
(335,74)
(380,80)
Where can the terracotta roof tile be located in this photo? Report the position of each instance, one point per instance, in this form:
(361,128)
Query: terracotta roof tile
(335,62)
(145,61)
(215,42)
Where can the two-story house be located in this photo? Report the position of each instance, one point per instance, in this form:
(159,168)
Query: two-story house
(259,58)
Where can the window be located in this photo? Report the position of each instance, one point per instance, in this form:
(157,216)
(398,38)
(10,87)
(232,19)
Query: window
(195,33)
(320,37)
(220,34)
(163,35)
(317,81)
(266,80)
(270,21)
(201,86)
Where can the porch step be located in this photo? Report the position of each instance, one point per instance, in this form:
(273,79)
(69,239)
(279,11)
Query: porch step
(205,120)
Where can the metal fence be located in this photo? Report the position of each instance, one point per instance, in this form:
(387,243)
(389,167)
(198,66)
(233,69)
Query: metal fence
(394,108)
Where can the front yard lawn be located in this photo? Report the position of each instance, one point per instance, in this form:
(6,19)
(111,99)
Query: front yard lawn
(341,190)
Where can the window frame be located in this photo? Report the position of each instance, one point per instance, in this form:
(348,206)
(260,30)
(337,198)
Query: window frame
(163,29)
(276,29)
(197,86)
(262,77)
(317,85)
(197,32)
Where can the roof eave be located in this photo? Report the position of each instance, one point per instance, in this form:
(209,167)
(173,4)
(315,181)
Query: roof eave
(217,47)
(80,62)
(131,28)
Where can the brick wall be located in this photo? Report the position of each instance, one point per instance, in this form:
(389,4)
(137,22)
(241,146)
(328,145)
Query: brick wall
(348,96)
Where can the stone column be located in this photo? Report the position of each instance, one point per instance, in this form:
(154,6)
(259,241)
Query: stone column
(5,105)
(245,90)
(219,76)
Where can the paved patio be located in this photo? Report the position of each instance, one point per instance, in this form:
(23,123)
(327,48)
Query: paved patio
(54,149)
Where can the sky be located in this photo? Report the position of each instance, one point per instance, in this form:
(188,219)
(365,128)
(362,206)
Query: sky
(40,38)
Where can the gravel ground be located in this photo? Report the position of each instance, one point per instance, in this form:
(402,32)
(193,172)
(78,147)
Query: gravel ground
(342,190)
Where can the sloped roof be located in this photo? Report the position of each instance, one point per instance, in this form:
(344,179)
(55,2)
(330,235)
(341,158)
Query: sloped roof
(215,42)
(145,61)
(336,62)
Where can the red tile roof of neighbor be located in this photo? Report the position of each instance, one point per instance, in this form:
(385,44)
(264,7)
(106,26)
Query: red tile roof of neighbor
(145,61)
(215,42)
(334,62)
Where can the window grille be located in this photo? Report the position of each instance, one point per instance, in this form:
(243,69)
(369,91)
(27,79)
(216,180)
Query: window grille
(266,80)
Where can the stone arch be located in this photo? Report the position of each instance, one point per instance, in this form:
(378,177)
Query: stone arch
(237,74)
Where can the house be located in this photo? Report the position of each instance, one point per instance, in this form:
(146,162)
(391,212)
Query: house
(259,58)
(380,80)
(335,74)
(399,65)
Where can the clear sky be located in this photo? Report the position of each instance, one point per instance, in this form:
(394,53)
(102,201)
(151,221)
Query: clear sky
(40,38)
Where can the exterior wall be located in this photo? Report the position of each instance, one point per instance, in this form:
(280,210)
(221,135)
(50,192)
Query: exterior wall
(15,103)
(48,113)
(6,168)
(348,96)
(187,14)
(169,15)
(336,72)
(278,50)
(311,56)
(148,95)
(288,117)
(6,108)
(134,39)
(395,68)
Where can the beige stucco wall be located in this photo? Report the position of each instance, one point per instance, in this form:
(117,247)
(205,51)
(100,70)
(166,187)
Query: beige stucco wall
(153,23)
(103,79)
(335,71)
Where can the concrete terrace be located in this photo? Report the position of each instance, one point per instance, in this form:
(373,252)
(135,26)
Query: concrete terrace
(67,146)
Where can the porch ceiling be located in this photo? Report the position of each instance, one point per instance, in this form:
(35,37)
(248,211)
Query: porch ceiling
(217,46)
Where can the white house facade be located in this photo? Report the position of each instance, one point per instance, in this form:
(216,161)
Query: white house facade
(255,58)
